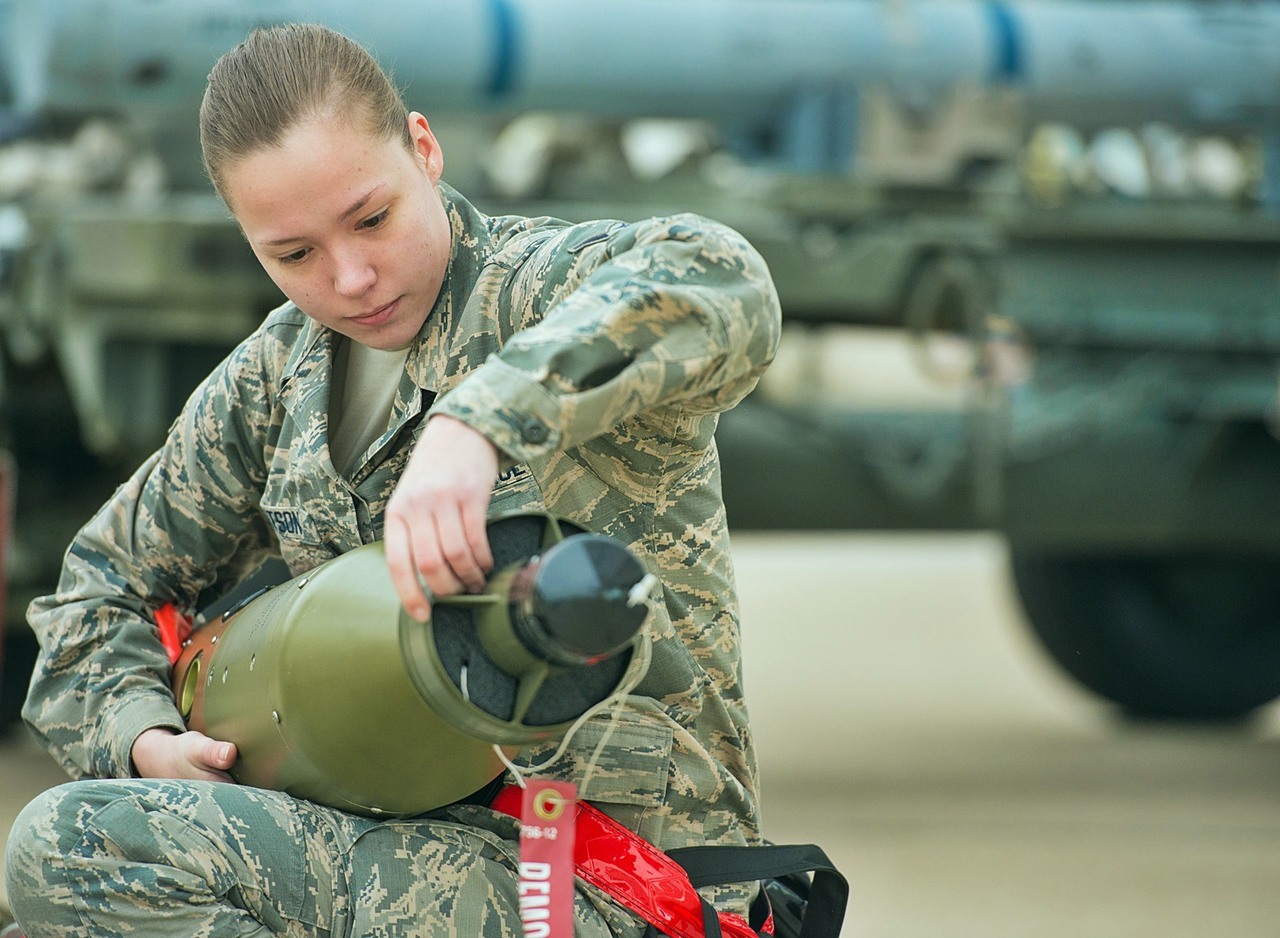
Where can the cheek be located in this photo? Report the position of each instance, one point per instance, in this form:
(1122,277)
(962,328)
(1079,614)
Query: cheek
(287,285)
(437,233)
(299,286)
(439,243)
(283,276)
(279,276)
(296,288)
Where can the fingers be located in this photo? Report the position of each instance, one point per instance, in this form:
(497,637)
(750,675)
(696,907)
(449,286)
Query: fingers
(403,568)
(474,519)
(445,551)
(435,537)
(219,755)
(464,566)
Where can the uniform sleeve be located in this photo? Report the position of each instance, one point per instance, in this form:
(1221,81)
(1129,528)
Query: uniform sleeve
(102,676)
(669,311)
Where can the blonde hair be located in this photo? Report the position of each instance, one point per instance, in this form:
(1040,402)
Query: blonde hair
(280,77)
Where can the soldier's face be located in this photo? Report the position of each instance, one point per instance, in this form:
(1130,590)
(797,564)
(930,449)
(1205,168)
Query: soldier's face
(349,225)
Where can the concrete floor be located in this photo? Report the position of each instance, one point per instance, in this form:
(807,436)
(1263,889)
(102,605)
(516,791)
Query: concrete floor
(908,725)
(962,785)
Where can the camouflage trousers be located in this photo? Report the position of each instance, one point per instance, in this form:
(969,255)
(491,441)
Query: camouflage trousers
(146,858)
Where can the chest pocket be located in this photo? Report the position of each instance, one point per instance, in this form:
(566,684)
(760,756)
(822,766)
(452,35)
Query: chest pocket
(309,510)
(292,508)
(516,489)
(291,523)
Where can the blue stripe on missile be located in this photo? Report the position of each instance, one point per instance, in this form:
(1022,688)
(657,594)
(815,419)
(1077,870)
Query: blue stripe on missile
(1008,63)
(503,67)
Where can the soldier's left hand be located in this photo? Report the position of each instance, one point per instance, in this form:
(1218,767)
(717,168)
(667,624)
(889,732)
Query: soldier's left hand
(161,752)
(435,527)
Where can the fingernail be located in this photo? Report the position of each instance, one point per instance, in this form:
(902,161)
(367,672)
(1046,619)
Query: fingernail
(224,752)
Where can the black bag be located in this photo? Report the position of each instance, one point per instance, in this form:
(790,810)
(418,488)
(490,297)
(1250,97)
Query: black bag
(802,906)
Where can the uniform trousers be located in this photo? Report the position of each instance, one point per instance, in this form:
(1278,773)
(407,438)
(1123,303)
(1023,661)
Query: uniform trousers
(146,857)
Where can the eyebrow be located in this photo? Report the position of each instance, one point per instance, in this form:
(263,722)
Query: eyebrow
(354,208)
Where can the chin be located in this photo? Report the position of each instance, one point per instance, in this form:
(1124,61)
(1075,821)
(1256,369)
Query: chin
(390,340)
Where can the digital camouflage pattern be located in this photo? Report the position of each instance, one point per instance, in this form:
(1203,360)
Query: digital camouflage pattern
(160,859)
(597,358)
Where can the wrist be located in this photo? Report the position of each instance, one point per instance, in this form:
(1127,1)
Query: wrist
(147,749)
(122,721)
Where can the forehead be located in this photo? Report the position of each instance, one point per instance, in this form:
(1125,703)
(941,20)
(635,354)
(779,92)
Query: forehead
(317,171)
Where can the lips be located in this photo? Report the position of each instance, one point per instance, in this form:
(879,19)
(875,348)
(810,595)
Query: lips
(378,316)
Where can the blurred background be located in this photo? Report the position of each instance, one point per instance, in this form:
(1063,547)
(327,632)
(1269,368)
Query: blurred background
(1004,508)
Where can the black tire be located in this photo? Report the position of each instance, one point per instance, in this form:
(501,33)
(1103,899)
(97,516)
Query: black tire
(1191,636)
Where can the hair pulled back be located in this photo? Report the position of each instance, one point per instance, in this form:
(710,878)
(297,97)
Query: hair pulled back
(283,76)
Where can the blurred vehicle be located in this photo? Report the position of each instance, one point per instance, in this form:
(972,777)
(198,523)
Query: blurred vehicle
(1028,252)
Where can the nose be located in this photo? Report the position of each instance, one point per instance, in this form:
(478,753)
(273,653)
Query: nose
(353,272)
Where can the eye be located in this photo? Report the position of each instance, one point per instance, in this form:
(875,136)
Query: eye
(294,257)
(375,221)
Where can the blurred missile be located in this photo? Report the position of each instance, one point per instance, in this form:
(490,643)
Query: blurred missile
(789,66)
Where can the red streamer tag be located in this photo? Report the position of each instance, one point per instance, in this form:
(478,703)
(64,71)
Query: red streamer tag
(175,629)
(547,817)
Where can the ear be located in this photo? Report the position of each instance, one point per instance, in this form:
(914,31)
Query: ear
(426,147)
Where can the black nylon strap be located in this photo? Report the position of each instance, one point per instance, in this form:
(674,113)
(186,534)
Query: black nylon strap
(710,920)
(828,895)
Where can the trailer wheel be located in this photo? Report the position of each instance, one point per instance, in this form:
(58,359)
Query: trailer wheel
(1189,636)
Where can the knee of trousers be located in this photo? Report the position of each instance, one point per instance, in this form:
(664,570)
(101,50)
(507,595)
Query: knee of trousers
(41,836)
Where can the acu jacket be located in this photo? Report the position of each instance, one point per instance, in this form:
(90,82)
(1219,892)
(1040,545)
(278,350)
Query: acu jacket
(597,358)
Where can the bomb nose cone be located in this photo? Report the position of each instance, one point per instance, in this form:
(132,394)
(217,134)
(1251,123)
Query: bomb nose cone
(579,607)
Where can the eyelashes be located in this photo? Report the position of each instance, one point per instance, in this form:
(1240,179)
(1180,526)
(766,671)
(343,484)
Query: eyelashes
(372,223)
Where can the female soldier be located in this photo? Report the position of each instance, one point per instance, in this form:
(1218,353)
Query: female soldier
(432,366)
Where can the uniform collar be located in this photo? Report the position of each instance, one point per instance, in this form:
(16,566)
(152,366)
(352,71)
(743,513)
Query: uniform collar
(432,362)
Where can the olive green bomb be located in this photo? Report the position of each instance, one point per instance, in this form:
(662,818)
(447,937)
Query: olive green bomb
(332,692)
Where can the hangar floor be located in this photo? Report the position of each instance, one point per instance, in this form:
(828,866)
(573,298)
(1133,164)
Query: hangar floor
(907,723)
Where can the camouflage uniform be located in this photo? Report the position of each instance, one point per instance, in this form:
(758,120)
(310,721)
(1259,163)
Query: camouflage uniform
(596,357)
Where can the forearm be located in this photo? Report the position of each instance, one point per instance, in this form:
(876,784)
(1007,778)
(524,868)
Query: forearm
(187,516)
(674,317)
(99,682)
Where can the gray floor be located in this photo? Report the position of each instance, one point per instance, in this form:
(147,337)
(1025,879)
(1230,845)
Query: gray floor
(907,724)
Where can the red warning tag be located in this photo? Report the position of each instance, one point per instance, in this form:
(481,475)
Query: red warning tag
(547,818)
(175,629)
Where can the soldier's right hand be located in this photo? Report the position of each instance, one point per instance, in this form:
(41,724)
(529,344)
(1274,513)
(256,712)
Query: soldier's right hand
(162,753)
(435,524)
